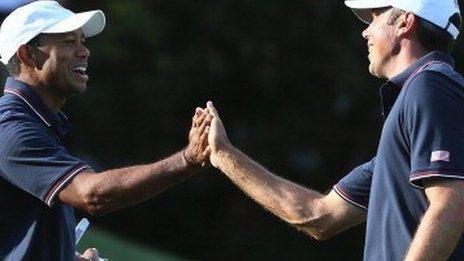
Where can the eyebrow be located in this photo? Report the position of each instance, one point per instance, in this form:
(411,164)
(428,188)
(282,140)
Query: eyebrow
(80,35)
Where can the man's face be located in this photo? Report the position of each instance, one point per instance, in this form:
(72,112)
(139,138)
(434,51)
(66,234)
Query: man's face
(381,42)
(63,62)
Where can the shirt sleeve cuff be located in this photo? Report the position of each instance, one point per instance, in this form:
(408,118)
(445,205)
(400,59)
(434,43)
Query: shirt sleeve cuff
(344,194)
(417,178)
(61,182)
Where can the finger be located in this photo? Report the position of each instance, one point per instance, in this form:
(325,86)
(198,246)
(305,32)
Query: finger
(207,152)
(193,121)
(205,123)
(209,119)
(91,254)
(198,112)
(200,119)
(211,109)
(204,135)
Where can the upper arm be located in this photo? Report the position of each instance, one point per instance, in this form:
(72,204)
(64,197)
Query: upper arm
(446,194)
(337,216)
(76,191)
(343,212)
(345,206)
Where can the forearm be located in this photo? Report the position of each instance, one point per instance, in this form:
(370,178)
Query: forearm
(320,216)
(437,235)
(289,201)
(118,188)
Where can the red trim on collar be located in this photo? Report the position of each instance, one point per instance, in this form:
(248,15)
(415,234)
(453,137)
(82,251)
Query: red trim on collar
(17,93)
(420,69)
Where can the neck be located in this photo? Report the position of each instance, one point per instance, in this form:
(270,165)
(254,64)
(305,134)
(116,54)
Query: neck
(51,99)
(408,55)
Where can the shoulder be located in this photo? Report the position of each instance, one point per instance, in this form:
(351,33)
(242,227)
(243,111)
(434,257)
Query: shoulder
(435,85)
(433,100)
(18,129)
(436,75)
(12,108)
(14,112)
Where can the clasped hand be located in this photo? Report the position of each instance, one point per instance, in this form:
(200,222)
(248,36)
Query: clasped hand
(207,137)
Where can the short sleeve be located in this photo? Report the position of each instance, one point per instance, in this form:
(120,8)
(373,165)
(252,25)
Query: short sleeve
(32,159)
(434,116)
(355,187)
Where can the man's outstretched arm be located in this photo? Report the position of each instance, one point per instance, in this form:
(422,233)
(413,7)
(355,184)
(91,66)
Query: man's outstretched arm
(99,193)
(320,216)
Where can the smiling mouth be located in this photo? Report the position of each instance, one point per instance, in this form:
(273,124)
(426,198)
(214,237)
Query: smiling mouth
(80,70)
(81,73)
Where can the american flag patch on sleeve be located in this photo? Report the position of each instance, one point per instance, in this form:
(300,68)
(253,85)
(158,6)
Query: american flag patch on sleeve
(440,155)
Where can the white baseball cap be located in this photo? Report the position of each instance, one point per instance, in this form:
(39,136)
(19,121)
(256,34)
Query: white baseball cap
(28,21)
(438,12)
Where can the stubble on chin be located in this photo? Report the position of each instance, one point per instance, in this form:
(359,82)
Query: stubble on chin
(373,72)
(372,67)
(76,90)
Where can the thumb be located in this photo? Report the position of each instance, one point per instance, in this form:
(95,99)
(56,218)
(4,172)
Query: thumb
(212,110)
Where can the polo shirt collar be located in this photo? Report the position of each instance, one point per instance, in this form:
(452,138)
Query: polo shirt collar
(392,88)
(28,95)
(400,79)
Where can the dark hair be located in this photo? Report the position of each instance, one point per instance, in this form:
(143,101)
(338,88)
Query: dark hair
(431,36)
(14,65)
(434,38)
(394,14)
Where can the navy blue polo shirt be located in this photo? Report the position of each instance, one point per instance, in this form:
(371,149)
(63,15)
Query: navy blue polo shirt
(34,167)
(422,139)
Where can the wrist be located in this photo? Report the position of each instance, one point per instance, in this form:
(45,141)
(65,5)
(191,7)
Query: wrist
(220,155)
(188,159)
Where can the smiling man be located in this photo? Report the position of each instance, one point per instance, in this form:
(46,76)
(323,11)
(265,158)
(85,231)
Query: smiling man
(412,192)
(43,46)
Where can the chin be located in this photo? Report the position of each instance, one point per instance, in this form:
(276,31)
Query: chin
(373,69)
(77,89)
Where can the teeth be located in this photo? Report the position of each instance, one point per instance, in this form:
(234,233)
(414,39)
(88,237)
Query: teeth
(80,70)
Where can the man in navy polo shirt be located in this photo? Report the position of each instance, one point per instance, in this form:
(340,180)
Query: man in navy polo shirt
(412,192)
(42,45)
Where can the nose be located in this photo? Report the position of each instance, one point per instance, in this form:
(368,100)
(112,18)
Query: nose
(365,33)
(83,52)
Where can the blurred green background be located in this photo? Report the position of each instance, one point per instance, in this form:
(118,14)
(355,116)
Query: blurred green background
(117,248)
(290,80)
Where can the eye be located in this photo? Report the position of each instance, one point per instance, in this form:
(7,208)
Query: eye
(69,41)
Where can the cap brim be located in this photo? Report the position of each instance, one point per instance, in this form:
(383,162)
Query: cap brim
(362,8)
(367,4)
(91,23)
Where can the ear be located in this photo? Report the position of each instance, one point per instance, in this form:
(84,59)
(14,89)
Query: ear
(27,56)
(407,24)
